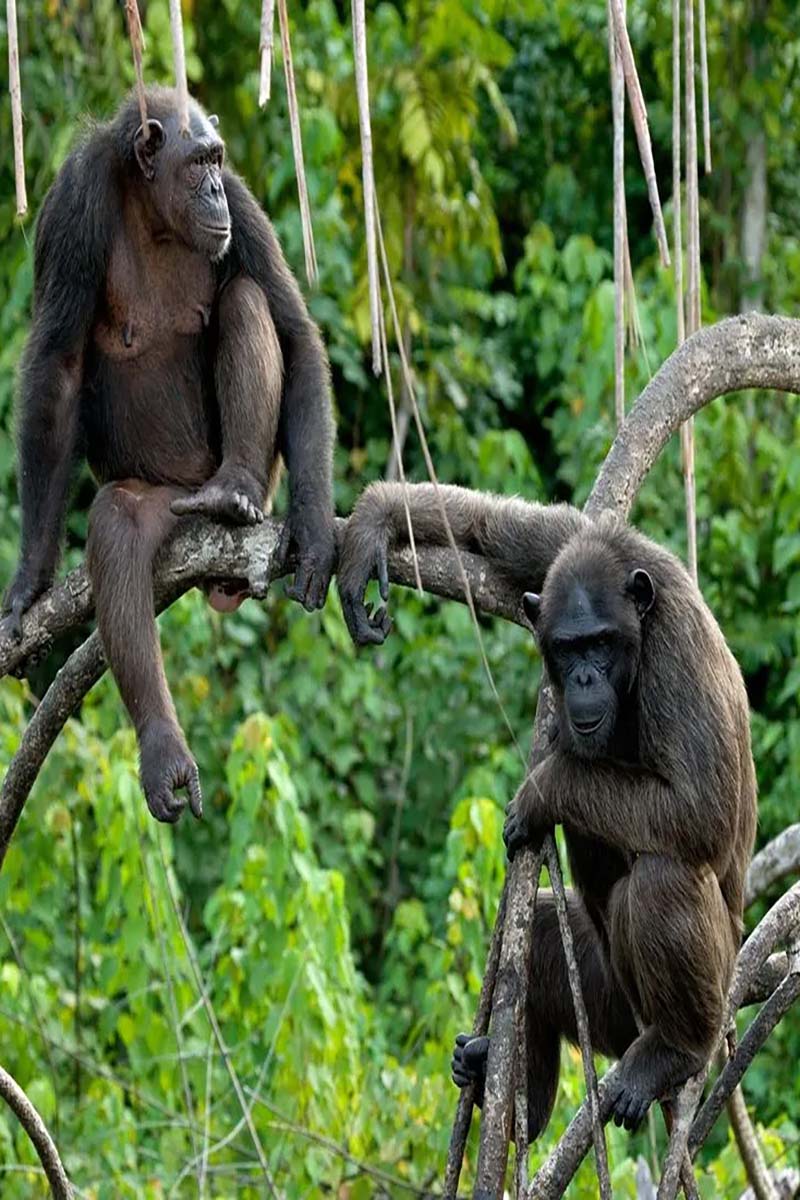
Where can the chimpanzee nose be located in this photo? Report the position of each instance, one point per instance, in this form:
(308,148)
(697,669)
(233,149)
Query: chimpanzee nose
(583,677)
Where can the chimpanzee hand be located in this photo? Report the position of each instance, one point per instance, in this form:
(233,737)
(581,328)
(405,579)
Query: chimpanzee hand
(470,1056)
(525,823)
(166,766)
(22,592)
(313,540)
(233,494)
(364,557)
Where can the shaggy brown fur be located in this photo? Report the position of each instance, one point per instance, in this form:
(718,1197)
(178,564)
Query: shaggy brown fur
(170,345)
(649,770)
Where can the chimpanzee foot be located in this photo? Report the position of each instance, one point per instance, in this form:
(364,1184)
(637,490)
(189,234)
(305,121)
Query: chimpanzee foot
(165,767)
(470,1056)
(649,1070)
(233,496)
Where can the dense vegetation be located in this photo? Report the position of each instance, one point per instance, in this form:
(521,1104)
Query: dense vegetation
(339,893)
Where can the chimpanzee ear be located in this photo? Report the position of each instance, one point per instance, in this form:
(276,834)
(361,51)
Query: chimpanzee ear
(531,603)
(213,120)
(146,147)
(641,587)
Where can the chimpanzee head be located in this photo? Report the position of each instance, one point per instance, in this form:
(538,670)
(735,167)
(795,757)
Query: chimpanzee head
(588,622)
(182,175)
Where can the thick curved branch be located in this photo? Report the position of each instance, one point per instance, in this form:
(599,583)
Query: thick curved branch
(749,351)
(37,1131)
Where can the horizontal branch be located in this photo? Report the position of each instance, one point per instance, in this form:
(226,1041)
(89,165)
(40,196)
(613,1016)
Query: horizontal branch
(201,549)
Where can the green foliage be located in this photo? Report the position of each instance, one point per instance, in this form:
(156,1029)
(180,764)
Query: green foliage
(340,891)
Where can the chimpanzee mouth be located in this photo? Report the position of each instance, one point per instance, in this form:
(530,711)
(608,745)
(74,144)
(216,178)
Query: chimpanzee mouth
(586,728)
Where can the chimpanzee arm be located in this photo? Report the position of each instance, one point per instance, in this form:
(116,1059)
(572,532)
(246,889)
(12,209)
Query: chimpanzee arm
(520,537)
(630,808)
(306,430)
(72,238)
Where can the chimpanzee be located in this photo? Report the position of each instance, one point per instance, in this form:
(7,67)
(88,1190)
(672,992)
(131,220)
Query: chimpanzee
(648,768)
(172,348)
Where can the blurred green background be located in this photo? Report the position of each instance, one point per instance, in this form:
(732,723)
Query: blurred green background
(340,891)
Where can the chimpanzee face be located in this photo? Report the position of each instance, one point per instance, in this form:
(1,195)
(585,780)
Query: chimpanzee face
(184,174)
(589,631)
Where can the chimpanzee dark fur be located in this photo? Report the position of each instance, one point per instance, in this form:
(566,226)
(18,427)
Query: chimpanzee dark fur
(172,348)
(649,770)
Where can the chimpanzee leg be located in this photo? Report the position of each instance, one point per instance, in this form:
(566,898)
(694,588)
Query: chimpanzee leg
(249,383)
(673,950)
(550,1012)
(127,524)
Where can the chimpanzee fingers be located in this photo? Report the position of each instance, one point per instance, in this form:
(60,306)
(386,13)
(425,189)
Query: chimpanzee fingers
(475,1054)
(166,806)
(381,622)
(184,506)
(383,573)
(463,1038)
(361,631)
(11,625)
(285,540)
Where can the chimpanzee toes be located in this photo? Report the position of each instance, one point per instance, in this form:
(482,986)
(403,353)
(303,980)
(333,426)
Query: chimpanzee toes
(629,1108)
(11,627)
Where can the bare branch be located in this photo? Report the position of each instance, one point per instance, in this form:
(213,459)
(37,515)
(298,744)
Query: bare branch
(618,116)
(480,1027)
(639,114)
(37,1131)
(265,50)
(701,20)
(367,176)
(509,992)
(741,352)
(15,92)
(581,1017)
(750,1151)
(779,857)
(179,64)
(297,145)
(137,46)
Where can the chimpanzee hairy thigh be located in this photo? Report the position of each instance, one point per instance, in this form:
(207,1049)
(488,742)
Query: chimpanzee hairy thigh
(171,346)
(648,770)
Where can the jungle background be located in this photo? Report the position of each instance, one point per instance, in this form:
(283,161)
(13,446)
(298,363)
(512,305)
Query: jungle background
(340,891)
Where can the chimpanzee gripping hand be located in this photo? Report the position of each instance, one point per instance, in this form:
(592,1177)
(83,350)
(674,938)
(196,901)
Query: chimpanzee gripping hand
(364,556)
(26,587)
(527,816)
(311,536)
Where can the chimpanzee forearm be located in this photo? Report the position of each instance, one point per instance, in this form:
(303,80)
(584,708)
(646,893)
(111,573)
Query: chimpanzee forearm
(47,447)
(630,808)
(307,433)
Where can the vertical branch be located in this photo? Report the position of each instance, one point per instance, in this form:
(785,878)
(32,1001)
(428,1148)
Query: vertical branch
(581,1017)
(76,951)
(37,1131)
(297,145)
(684,1111)
(367,176)
(639,115)
(750,1151)
(618,113)
(15,92)
(179,64)
(137,46)
(480,1027)
(693,274)
(398,450)
(677,212)
(510,989)
(265,50)
(521,1098)
(701,20)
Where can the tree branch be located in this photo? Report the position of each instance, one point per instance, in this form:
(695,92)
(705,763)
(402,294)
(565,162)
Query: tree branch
(779,857)
(37,1131)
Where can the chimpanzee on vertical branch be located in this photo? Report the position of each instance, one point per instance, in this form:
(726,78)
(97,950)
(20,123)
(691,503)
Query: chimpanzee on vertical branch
(171,346)
(648,769)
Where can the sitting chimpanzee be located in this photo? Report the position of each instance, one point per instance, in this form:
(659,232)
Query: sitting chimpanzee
(648,769)
(171,346)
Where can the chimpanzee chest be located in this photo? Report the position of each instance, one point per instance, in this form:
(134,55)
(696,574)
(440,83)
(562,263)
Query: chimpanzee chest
(156,294)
